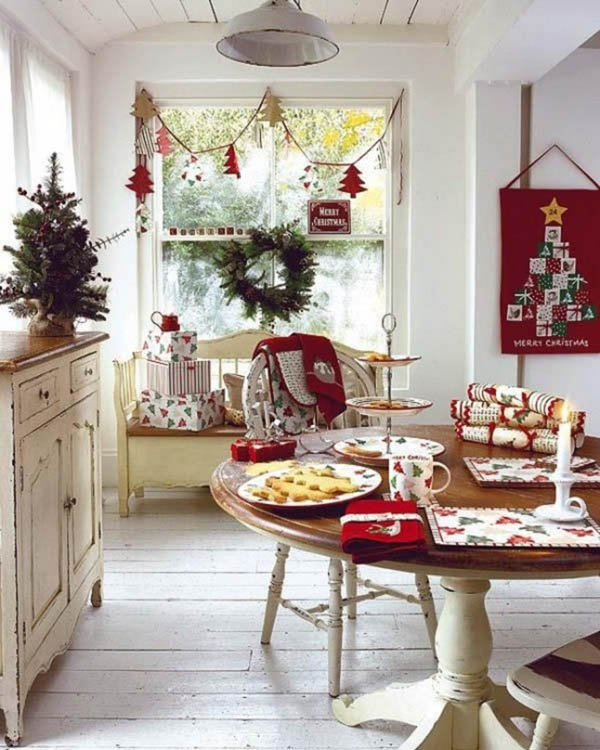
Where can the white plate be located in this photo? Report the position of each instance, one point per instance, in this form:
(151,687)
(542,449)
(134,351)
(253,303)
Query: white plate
(367,479)
(398,446)
(408,408)
(399,360)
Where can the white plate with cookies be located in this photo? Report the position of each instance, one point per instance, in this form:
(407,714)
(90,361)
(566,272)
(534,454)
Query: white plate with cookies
(310,485)
(378,406)
(378,359)
(373,451)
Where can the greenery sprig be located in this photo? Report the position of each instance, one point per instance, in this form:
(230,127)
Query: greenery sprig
(289,293)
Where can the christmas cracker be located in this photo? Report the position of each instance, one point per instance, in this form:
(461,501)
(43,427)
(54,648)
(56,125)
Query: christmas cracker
(483,413)
(523,398)
(541,441)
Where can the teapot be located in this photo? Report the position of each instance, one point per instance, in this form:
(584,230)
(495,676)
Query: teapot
(167,322)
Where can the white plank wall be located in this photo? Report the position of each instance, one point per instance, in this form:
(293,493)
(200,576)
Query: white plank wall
(173,658)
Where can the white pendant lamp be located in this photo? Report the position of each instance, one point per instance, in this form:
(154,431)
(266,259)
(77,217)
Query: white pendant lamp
(277,34)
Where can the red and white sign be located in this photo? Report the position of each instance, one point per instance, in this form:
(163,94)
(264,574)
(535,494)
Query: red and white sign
(329,217)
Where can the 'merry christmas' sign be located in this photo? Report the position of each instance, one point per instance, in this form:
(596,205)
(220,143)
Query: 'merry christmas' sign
(329,217)
(550,292)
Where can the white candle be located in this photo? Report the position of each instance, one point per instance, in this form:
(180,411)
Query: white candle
(563,452)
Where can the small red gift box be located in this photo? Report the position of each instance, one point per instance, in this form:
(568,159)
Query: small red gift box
(263,451)
(255,449)
(239,449)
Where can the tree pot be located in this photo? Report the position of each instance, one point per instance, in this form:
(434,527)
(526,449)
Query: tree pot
(48,324)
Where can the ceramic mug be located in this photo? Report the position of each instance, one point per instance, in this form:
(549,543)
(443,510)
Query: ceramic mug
(167,322)
(411,478)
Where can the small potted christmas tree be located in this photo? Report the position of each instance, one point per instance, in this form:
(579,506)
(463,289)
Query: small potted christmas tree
(53,281)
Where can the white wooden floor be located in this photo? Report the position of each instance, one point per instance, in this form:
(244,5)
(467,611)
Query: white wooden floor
(173,658)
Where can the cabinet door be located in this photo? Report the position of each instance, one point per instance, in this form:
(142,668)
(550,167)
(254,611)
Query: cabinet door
(43,581)
(83,489)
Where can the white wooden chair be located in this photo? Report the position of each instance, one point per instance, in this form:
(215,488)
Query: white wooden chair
(156,457)
(359,380)
(563,685)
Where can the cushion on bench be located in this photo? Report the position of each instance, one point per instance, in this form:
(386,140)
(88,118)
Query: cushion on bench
(135,429)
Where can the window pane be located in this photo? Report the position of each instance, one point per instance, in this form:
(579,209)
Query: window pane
(331,135)
(191,289)
(349,294)
(218,199)
(349,287)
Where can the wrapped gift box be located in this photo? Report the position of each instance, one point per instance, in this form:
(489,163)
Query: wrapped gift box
(170,346)
(175,378)
(194,412)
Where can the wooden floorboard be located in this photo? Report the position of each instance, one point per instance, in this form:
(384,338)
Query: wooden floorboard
(173,658)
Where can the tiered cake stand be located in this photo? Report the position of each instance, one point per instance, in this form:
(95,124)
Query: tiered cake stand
(394,410)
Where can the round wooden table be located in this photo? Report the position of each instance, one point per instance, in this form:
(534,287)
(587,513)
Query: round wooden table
(458,708)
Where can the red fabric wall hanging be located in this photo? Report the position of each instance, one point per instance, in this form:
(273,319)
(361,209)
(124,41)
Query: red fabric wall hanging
(550,290)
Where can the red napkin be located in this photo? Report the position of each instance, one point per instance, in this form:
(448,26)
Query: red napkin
(323,374)
(371,539)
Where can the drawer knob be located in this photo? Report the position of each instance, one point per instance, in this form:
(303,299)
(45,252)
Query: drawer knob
(70,502)
(44,394)
(88,371)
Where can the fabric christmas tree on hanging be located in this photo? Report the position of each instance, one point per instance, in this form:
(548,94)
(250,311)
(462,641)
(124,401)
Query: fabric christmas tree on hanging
(554,293)
(352,182)
(231,162)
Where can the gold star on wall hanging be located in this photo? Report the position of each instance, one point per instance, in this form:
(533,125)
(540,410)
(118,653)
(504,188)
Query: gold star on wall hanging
(553,212)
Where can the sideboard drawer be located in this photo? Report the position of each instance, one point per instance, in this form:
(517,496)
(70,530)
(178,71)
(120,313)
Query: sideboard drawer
(84,371)
(38,394)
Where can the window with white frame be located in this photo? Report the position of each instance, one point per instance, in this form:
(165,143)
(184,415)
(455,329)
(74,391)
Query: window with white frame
(200,205)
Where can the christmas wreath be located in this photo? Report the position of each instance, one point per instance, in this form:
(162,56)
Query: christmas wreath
(270,295)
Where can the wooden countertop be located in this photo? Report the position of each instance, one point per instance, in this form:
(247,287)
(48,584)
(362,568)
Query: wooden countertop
(19,350)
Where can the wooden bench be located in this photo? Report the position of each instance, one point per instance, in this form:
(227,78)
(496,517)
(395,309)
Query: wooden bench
(157,457)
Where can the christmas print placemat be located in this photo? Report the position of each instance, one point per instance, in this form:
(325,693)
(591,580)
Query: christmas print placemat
(528,472)
(507,527)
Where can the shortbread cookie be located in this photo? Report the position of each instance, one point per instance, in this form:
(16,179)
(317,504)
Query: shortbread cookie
(295,492)
(264,467)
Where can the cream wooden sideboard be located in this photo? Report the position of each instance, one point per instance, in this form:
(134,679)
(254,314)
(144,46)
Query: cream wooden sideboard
(50,504)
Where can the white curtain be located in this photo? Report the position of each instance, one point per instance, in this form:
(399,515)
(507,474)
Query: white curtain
(35,120)
(47,93)
(7,173)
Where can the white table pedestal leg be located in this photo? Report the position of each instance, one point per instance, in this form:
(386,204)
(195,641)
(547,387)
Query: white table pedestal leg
(455,709)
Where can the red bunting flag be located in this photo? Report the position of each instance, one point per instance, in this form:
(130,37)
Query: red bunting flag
(231,162)
(140,182)
(163,142)
(352,182)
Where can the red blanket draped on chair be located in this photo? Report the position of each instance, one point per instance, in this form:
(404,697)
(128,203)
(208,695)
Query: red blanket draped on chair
(321,369)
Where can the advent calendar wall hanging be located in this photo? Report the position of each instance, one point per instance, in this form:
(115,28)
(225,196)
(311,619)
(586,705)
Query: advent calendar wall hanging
(550,292)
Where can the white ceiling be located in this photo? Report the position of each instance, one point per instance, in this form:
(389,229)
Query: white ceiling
(95,22)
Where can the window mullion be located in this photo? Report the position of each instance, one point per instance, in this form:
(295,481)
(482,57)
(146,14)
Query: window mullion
(272,192)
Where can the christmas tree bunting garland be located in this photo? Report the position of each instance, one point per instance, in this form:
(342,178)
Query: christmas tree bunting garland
(141,182)
(231,162)
(352,182)
(163,142)
(269,110)
(143,107)
(191,171)
(144,143)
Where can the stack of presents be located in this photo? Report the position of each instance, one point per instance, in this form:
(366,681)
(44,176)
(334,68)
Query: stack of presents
(514,417)
(178,393)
